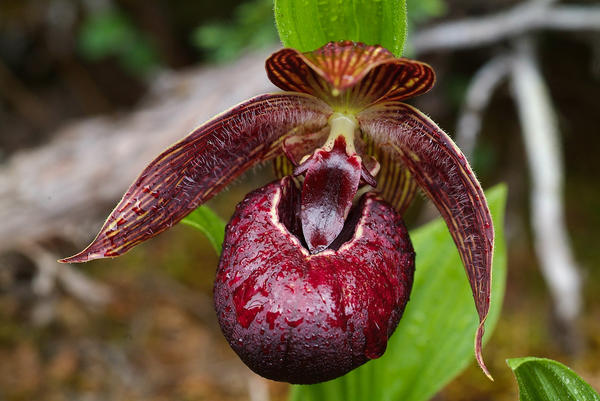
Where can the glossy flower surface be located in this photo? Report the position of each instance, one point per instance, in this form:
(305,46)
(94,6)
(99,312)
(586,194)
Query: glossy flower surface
(305,318)
(314,276)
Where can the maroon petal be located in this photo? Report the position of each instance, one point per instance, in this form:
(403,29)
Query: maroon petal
(332,178)
(444,174)
(196,168)
(340,64)
(349,75)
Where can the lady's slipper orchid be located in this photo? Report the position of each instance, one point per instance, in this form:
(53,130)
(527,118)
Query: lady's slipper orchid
(314,278)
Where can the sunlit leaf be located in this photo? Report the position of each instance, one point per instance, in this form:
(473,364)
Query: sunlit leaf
(547,380)
(308,25)
(209,223)
(434,340)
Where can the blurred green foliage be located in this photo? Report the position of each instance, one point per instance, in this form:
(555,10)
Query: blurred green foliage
(421,11)
(111,33)
(252,27)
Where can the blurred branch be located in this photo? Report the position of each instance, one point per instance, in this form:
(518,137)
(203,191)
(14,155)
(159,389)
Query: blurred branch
(65,187)
(25,102)
(479,93)
(480,31)
(257,388)
(542,144)
(50,272)
(87,93)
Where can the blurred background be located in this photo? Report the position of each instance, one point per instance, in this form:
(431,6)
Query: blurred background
(92,90)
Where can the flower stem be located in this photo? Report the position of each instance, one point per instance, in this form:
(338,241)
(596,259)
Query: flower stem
(342,125)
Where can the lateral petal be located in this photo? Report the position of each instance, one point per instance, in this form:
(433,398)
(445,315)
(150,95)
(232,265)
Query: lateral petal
(196,168)
(444,174)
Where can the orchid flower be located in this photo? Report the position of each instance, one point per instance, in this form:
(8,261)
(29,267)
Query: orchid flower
(317,266)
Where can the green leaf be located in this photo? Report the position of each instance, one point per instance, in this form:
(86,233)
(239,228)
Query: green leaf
(308,24)
(252,27)
(547,380)
(434,340)
(209,223)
